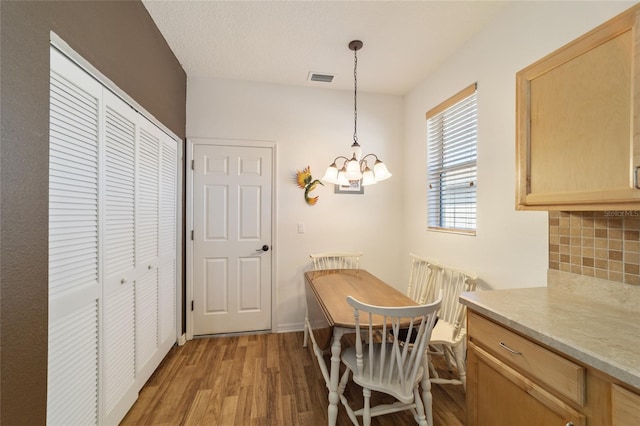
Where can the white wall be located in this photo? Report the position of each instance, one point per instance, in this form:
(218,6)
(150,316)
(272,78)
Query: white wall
(312,126)
(510,249)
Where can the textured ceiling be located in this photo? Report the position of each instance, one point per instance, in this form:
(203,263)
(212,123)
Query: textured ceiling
(282,41)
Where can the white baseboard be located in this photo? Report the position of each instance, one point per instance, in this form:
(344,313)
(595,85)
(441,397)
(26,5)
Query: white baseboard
(288,328)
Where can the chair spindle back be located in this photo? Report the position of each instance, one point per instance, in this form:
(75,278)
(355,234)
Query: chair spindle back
(336,260)
(399,360)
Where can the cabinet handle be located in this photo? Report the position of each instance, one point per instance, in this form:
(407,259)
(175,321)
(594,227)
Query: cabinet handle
(635,177)
(123,280)
(509,349)
(149,267)
(569,424)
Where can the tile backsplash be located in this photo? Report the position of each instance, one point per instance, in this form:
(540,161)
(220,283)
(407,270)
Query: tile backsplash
(602,244)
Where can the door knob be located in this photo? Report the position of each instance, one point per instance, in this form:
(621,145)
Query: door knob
(264,248)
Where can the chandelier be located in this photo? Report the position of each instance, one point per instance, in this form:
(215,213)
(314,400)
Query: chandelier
(355,167)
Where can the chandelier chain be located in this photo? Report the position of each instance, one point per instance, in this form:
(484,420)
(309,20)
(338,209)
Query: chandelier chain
(355,96)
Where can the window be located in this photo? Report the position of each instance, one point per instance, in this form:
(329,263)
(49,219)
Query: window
(452,130)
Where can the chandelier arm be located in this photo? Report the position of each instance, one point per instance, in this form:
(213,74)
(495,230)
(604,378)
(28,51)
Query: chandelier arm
(369,155)
(363,161)
(340,157)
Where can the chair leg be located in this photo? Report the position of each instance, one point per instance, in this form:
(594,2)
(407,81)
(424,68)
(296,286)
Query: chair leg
(458,353)
(343,381)
(341,387)
(433,350)
(432,370)
(306,329)
(421,419)
(447,357)
(366,413)
(427,397)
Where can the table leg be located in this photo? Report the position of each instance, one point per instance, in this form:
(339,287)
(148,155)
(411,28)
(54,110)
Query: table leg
(427,397)
(334,376)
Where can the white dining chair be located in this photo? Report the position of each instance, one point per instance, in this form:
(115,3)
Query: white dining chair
(449,335)
(330,260)
(336,260)
(422,287)
(388,366)
(422,280)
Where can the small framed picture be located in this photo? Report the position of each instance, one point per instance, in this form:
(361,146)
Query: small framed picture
(355,187)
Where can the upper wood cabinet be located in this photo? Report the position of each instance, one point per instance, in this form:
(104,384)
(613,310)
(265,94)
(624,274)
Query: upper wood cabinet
(578,122)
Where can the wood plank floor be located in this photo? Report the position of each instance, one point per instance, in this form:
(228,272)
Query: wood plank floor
(265,379)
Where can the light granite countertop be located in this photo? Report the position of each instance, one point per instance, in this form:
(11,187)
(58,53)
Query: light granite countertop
(596,322)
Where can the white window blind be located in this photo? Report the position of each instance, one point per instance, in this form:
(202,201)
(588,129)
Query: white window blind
(452,152)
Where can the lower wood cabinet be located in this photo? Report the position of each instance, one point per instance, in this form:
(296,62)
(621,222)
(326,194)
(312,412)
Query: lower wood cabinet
(625,407)
(503,396)
(513,380)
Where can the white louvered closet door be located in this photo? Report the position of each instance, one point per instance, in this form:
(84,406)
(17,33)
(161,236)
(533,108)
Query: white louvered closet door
(167,244)
(147,208)
(118,242)
(112,249)
(74,266)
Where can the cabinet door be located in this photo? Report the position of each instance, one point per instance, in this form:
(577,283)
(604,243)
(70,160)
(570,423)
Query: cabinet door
(578,131)
(625,407)
(75,294)
(498,395)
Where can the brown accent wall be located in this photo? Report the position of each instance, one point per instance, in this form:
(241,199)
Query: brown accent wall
(596,244)
(120,39)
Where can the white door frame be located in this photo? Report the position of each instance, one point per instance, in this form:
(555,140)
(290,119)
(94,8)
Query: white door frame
(189,221)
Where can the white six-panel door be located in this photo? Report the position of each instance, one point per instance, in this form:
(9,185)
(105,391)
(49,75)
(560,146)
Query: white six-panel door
(232,239)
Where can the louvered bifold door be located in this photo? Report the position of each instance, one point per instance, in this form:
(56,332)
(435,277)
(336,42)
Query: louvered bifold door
(118,242)
(167,244)
(74,268)
(147,204)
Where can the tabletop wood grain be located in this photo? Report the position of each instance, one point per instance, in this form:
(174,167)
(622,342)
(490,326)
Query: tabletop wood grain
(331,288)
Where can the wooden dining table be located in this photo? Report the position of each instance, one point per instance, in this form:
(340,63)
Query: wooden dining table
(329,317)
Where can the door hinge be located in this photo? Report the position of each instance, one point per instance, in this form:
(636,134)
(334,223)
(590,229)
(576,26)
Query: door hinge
(193,165)
(192,305)
(192,235)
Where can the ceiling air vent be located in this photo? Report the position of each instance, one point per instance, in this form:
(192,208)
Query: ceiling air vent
(320,77)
